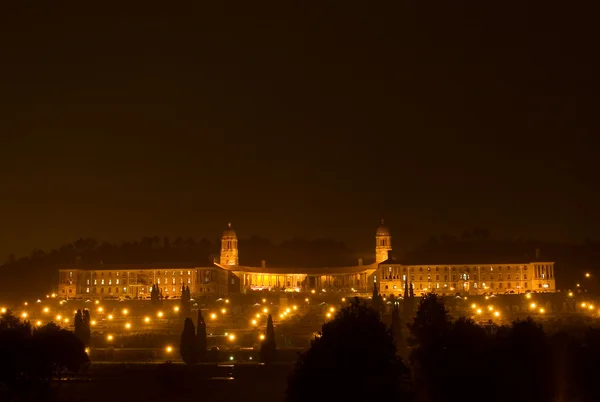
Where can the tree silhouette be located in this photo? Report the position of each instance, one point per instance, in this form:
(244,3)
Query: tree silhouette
(30,358)
(398,332)
(154,295)
(201,336)
(269,347)
(189,344)
(79,326)
(377,300)
(87,330)
(353,359)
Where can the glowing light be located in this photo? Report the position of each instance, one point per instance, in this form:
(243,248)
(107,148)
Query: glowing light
(53,294)
(93,322)
(87,350)
(128,325)
(97,302)
(169,349)
(542,310)
(332,309)
(528,296)
(213,316)
(254,322)
(265,310)
(261,337)
(328,315)
(226,300)
(478,311)
(24,315)
(58,317)
(487,298)
(295,307)
(3,310)
(66,320)
(591,306)
(26,303)
(577,285)
(281,315)
(159,314)
(257,315)
(343,299)
(38,323)
(38,301)
(532,305)
(264,300)
(491,308)
(223,311)
(176,309)
(100,309)
(583,305)
(307,300)
(231,337)
(587,274)
(230,357)
(146,319)
(473,306)
(46,309)
(570,294)
(497,313)
(125,311)
(109,337)
(312,291)
(110,317)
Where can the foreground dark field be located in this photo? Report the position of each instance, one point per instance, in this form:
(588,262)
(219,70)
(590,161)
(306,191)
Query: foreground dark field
(177,382)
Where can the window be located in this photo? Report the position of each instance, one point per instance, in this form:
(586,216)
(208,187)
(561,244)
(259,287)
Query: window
(124,290)
(116,290)
(189,272)
(109,290)
(436,269)
(110,281)
(101,290)
(437,277)
(525,284)
(420,277)
(445,277)
(437,285)
(173,280)
(386,287)
(524,276)
(508,285)
(412,277)
(102,281)
(87,282)
(189,280)
(158,281)
(87,290)
(420,286)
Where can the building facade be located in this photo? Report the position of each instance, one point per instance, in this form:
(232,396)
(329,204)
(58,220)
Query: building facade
(520,277)
(228,276)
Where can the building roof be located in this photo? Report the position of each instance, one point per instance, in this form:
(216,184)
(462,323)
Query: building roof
(301,271)
(133,267)
(382,230)
(229,232)
(496,261)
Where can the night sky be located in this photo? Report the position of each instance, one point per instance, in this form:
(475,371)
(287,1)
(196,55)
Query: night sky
(297,119)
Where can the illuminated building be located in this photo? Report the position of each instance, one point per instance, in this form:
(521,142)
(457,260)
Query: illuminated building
(509,277)
(228,276)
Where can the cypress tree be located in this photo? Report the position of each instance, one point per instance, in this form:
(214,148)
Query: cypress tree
(398,333)
(268,347)
(201,336)
(87,330)
(406,289)
(78,322)
(189,346)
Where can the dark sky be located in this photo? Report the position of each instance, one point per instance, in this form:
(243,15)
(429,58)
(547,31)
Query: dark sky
(297,118)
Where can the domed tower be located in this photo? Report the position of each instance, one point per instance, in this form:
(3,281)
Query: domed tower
(229,247)
(383,243)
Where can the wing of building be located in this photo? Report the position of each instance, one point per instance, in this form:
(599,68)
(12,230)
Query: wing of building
(227,276)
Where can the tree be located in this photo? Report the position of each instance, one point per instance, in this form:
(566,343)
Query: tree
(405,289)
(184,302)
(398,332)
(352,359)
(189,345)
(79,326)
(201,336)
(87,329)
(154,295)
(269,346)
(377,300)
(32,358)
